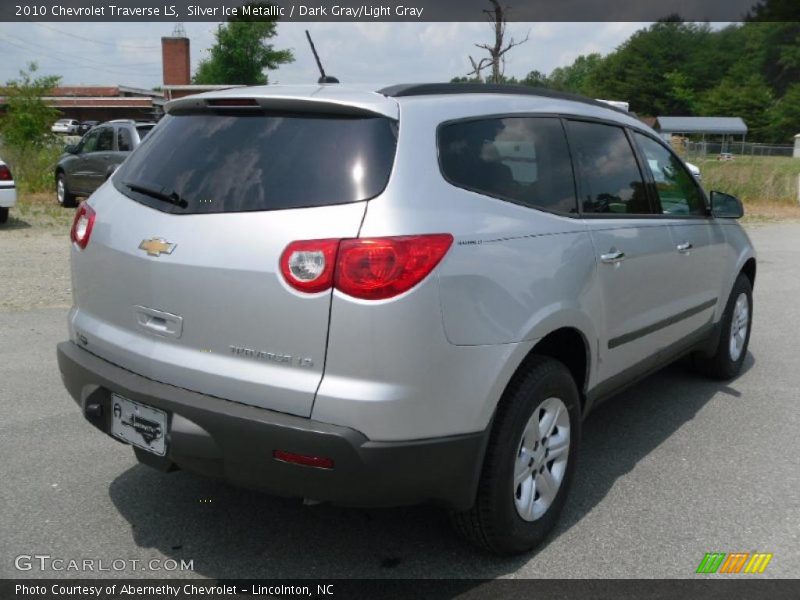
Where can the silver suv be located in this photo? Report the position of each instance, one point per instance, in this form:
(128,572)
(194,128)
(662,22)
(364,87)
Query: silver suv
(414,294)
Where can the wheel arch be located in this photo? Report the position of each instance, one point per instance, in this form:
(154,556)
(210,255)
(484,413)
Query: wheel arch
(568,345)
(749,270)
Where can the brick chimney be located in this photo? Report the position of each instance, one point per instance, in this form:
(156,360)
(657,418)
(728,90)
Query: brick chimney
(175,60)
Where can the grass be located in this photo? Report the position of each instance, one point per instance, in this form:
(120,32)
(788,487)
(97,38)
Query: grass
(33,168)
(755,180)
(40,211)
(767,185)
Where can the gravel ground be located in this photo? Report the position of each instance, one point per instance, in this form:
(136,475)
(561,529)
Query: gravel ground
(34,268)
(673,468)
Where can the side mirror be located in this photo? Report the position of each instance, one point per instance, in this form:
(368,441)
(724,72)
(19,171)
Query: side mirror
(71,148)
(725,206)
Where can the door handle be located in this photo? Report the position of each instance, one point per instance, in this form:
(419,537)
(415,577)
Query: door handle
(684,247)
(613,257)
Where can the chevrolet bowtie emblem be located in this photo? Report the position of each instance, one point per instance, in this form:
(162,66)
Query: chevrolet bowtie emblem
(156,246)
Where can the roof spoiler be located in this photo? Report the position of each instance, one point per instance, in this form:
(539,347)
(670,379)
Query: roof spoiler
(221,104)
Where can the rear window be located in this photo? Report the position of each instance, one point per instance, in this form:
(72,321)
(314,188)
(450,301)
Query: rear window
(143,130)
(212,163)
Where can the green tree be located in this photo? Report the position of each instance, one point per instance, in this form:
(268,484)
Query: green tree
(577,76)
(751,99)
(27,122)
(242,54)
(639,70)
(679,93)
(536,79)
(785,116)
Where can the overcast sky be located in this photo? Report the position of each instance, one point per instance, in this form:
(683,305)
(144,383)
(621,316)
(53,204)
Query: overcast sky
(130,54)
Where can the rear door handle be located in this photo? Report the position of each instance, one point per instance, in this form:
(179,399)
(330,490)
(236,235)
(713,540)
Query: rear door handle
(613,257)
(684,247)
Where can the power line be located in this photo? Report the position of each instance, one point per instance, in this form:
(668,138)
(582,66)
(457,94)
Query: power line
(29,47)
(78,57)
(101,42)
(70,62)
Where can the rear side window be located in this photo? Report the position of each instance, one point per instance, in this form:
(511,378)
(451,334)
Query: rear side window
(676,187)
(521,159)
(105,140)
(610,180)
(213,163)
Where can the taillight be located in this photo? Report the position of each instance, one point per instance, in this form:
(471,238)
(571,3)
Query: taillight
(233,102)
(320,462)
(82,225)
(366,268)
(5,173)
(379,268)
(307,266)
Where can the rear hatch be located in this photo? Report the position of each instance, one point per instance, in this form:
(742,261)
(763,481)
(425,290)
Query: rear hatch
(180,281)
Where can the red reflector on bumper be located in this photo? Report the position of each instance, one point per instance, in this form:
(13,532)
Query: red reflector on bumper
(320,462)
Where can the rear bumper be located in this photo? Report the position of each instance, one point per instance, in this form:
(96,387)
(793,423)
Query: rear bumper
(8,196)
(235,442)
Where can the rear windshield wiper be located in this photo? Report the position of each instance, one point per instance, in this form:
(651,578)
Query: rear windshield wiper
(158,193)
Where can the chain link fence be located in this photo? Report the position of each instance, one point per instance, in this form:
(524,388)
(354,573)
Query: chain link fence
(710,149)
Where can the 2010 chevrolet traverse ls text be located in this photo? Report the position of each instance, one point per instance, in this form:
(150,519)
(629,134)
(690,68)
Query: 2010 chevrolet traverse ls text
(388,297)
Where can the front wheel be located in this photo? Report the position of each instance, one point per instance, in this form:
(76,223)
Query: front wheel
(3,214)
(63,196)
(729,355)
(530,460)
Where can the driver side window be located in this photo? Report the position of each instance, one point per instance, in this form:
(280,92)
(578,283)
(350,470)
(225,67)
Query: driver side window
(89,142)
(676,187)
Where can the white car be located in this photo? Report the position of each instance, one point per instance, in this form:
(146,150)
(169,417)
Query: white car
(8,191)
(67,126)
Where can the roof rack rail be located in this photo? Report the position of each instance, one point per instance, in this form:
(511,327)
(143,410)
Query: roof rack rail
(431,89)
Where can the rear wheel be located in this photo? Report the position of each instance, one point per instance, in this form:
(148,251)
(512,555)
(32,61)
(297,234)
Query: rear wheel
(731,350)
(3,214)
(63,195)
(529,461)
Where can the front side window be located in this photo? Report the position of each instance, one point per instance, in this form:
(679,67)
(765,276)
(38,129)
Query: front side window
(611,182)
(521,159)
(89,142)
(677,190)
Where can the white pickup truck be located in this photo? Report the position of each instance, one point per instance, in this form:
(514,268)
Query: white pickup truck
(8,191)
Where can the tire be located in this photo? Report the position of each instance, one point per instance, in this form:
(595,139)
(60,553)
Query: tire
(63,195)
(503,520)
(737,320)
(3,215)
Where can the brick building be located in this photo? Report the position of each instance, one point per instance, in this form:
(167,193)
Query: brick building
(107,102)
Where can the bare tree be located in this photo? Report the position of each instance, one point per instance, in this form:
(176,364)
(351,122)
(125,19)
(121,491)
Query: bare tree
(497,52)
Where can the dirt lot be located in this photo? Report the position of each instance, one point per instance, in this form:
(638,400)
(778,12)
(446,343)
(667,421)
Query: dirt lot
(34,267)
(673,468)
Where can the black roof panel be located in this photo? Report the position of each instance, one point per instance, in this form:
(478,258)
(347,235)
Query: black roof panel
(431,89)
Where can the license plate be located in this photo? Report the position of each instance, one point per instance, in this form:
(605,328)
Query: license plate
(138,424)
